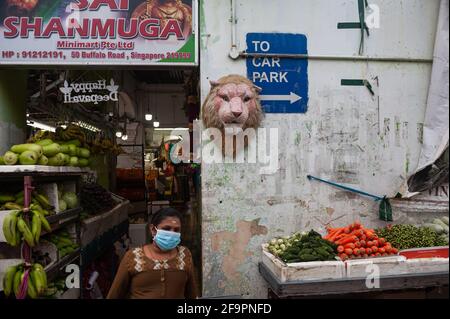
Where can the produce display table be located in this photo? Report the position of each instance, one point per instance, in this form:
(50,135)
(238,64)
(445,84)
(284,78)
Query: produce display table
(350,286)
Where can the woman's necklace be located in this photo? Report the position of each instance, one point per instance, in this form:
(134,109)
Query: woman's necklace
(154,256)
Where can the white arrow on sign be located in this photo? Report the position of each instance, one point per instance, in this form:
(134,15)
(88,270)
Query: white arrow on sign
(291,97)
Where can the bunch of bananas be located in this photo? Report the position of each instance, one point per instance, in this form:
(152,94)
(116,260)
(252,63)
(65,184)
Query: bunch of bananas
(63,242)
(105,145)
(20,277)
(72,132)
(16,227)
(41,135)
(16,202)
(55,287)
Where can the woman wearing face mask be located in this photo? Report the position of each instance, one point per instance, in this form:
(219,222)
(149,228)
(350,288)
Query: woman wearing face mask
(159,270)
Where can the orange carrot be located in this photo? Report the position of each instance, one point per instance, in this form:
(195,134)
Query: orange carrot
(347,240)
(335,234)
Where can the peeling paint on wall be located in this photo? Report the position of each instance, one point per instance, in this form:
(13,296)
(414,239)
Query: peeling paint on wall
(233,247)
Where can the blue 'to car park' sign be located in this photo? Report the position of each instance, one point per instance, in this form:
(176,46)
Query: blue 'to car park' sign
(284,81)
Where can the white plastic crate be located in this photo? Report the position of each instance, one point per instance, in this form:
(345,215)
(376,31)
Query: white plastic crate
(427,265)
(306,271)
(389,266)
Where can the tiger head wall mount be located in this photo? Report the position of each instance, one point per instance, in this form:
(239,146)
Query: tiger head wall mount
(233,101)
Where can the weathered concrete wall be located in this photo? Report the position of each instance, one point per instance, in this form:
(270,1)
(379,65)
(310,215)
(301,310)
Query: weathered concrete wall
(347,135)
(13,86)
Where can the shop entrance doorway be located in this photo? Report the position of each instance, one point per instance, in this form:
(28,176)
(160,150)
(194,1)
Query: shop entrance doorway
(137,111)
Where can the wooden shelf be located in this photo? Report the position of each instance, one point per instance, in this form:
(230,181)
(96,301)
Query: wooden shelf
(18,171)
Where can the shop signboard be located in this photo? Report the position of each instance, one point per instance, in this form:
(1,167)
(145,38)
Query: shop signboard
(98,32)
(272,67)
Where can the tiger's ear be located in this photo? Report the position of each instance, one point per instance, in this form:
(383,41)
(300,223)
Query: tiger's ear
(257,89)
(214,84)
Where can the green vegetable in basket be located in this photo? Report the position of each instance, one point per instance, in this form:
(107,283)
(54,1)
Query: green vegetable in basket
(62,205)
(71,200)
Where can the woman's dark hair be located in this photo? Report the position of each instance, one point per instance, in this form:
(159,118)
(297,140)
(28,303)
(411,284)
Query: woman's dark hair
(164,213)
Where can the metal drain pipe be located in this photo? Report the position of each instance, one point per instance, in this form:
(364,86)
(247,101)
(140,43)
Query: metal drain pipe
(234,51)
(335,58)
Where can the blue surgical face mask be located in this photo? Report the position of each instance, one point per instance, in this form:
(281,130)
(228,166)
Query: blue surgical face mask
(167,240)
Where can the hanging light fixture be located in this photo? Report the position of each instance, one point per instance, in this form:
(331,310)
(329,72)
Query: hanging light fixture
(156,122)
(119,132)
(125,132)
(148,116)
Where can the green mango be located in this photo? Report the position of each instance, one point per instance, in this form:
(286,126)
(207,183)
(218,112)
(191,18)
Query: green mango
(83,162)
(10,158)
(28,158)
(84,153)
(73,161)
(19,149)
(43,160)
(65,149)
(51,150)
(45,142)
(73,150)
